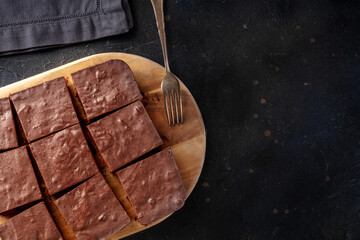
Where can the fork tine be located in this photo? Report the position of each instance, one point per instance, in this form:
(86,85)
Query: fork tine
(176,102)
(171,94)
(180,106)
(166,106)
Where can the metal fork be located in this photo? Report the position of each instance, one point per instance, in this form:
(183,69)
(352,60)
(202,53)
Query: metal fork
(170,86)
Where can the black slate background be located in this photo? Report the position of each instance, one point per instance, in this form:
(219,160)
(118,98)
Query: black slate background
(278,84)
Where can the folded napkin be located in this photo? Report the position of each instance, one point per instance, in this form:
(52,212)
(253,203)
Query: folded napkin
(27,25)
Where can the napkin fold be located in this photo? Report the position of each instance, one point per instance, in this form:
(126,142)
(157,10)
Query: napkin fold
(28,25)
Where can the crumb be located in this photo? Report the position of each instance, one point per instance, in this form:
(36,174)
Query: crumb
(286,211)
(267,133)
(263,100)
(333,55)
(306,84)
(251,171)
(228,167)
(167,18)
(277,68)
(207,199)
(297,27)
(275,211)
(312,40)
(256,116)
(205,184)
(244,26)
(276,141)
(305,136)
(327,179)
(256,82)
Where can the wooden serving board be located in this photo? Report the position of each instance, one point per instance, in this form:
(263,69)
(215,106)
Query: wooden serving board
(187,141)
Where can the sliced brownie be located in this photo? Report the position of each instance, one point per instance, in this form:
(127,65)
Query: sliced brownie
(8,138)
(18,184)
(154,186)
(105,87)
(92,210)
(44,109)
(64,159)
(125,135)
(33,223)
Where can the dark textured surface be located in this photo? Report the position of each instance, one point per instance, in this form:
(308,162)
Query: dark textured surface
(304,187)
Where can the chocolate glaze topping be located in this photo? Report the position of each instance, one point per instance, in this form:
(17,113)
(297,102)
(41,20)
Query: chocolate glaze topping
(64,159)
(154,186)
(125,135)
(18,184)
(105,87)
(44,109)
(92,210)
(8,138)
(34,223)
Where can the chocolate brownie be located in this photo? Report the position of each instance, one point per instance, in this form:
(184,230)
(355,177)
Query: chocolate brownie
(18,184)
(154,186)
(64,159)
(92,210)
(125,135)
(8,138)
(44,109)
(33,223)
(105,87)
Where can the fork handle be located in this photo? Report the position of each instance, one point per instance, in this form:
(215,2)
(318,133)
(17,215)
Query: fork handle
(158,6)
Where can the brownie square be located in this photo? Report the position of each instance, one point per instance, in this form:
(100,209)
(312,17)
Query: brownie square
(8,138)
(92,210)
(64,159)
(154,186)
(33,223)
(105,87)
(18,184)
(125,135)
(44,109)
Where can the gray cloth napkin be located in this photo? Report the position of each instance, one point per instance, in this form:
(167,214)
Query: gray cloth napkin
(27,25)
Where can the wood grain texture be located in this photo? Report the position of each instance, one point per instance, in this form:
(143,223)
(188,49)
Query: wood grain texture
(187,141)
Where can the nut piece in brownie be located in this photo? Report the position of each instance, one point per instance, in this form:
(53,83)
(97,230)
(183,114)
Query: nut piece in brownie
(33,223)
(44,109)
(125,135)
(105,87)
(92,210)
(8,138)
(18,184)
(154,186)
(64,159)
